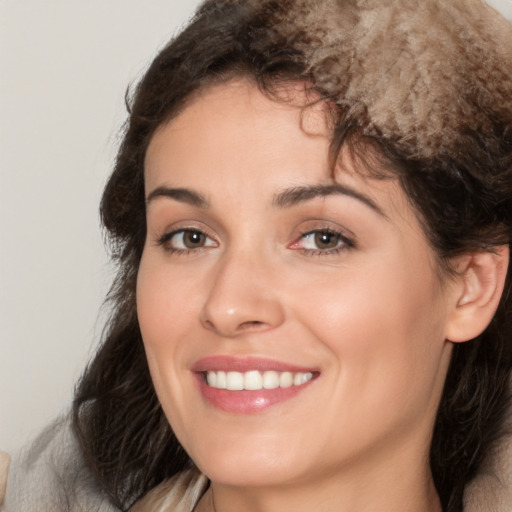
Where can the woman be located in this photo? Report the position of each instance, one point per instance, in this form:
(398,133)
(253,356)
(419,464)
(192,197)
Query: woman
(311,211)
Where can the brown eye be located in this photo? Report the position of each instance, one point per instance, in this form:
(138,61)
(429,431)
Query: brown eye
(186,240)
(326,240)
(323,241)
(193,239)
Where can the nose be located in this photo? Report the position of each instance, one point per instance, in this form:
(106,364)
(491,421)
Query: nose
(242,297)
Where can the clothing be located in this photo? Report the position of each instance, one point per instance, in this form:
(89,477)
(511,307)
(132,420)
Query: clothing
(4,467)
(180,494)
(51,477)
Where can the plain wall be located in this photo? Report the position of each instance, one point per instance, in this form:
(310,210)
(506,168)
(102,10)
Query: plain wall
(502,6)
(64,69)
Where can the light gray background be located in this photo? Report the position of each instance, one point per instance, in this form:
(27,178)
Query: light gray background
(64,69)
(502,6)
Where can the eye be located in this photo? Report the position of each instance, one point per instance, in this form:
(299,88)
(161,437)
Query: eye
(322,241)
(186,240)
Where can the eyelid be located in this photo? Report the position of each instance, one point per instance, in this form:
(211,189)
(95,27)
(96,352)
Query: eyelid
(347,239)
(168,235)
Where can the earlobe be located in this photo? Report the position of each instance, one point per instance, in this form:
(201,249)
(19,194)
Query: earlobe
(481,281)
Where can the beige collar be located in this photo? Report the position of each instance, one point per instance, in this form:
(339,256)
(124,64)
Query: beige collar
(179,494)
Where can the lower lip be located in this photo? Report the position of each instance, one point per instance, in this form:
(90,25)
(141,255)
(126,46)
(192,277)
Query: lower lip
(244,401)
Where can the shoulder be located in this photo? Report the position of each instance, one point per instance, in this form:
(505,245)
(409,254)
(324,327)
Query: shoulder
(4,467)
(50,475)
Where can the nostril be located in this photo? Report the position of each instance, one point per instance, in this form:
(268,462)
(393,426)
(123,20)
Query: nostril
(249,325)
(208,324)
(235,328)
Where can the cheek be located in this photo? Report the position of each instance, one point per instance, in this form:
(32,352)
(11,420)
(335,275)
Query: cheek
(163,308)
(166,302)
(166,306)
(384,329)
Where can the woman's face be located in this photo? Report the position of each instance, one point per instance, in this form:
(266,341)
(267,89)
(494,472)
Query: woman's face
(294,325)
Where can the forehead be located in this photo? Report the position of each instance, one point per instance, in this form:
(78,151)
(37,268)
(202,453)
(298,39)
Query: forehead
(233,131)
(234,123)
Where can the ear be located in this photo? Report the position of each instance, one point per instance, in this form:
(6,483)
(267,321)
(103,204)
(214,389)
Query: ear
(477,293)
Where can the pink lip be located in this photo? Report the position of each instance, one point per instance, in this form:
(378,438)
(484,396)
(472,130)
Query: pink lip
(246,402)
(244,364)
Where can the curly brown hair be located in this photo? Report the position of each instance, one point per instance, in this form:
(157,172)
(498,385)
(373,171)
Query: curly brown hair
(427,85)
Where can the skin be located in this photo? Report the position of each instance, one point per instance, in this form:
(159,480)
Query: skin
(368,313)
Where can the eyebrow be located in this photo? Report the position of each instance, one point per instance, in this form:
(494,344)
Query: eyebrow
(183,195)
(296,195)
(285,199)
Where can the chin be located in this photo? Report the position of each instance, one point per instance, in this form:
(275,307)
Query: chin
(245,472)
(248,462)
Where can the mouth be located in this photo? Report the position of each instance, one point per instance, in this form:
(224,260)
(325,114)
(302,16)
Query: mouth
(254,380)
(249,385)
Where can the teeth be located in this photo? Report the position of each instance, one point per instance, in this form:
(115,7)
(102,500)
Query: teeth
(234,381)
(286,380)
(254,380)
(211,379)
(221,380)
(270,380)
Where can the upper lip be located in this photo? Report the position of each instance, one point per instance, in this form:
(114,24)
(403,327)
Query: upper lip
(245,364)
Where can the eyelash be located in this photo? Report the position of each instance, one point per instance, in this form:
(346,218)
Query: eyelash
(345,242)
(164,241)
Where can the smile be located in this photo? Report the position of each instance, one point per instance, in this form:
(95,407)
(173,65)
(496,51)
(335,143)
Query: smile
(255,380)
(250,385)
